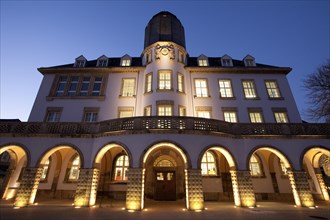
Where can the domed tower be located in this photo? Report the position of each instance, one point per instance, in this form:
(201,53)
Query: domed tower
(164,56)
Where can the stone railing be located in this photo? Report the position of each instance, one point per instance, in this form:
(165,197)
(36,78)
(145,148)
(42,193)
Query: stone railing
(180,124)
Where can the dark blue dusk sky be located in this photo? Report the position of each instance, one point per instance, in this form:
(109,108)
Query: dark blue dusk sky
(36,34)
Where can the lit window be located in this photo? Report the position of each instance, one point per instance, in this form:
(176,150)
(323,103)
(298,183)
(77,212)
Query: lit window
(164,163)
(97,86)
(283,168)
(281,117)
(147,111)
(73,85)
(180,82)
(255,166)
(148,86)
(202,62)
(164,80)
(128,87)
(125,113)
(90,116)
(272,89)
(164,110)
(204,114)
(249,89)
(53,116)
(230,116)
(126,62)
(121,166)
(61,86)
(45,170)
(201,88)
(225,89)
(182,111)
(74,170)
(255,117)
(209,167)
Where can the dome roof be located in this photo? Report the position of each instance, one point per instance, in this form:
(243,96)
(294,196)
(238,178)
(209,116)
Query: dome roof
(164,26)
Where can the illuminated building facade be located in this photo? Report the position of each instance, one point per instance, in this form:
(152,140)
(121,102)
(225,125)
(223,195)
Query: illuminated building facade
(165,126)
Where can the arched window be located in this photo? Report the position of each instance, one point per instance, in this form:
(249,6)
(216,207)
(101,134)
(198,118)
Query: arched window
(45,170)
(165,163)
(74,170)
(120,168)
(209,167)
(255,166)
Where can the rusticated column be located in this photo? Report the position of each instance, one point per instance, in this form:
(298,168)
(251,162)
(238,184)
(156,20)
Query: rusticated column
(135,189)
(28,186)
(242,188)
(194,189)
(87,187)
(300,188)
(323,188)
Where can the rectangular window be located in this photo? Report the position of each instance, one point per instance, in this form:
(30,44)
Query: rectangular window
(182,111)
(80,63)
(128,87)
(126,62)
(202,62)
(272,89)
(225,89)
(102,63)
(73,85)
(148,86)
(181,57)
(201,88)
(164,110)
(230,116)
(256,117)
(180,82)
(203,114)
(85,86)
(164,80)
(281,117)
(226,62)
(90,114)
(61,86)
(125,112)
(249,89)
(148,57)
(97,86)
(53,114)
(147,111)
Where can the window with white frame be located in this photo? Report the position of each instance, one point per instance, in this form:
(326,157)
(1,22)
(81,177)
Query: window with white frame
(148,57)
(209,165)
(249,89)
(225,88)
(60,89)
(53,114)
(120,168)
(147,110)
(164,80)
(203,114)
(73,86)
(165,110)
(201,89)
(45,169)
(230,116)
(180,82)
(74,170)
(272,89)
(281,117)
(226,62)
(128,87)
(256,117)
(90,114)
(126,62)
(102,62)
(181,57)
(182,111)
(80,63)
(85,86)
(97,86)
(255,166)
(148,85)
(124,112)
(202,62)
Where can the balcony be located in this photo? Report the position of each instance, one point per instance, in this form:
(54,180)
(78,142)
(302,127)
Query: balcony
(160,124)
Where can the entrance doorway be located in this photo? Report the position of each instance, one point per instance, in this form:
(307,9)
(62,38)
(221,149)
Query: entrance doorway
(165,187)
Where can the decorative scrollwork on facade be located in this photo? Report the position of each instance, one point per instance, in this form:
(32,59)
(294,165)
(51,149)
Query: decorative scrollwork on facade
(165,50)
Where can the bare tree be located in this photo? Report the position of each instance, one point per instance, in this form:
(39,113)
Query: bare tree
(317,85)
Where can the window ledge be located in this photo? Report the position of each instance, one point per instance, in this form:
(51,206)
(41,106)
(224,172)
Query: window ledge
(275,98)
(51,98)
(256,98)
(125,97)
(228,98)
(164,90)
(201,97)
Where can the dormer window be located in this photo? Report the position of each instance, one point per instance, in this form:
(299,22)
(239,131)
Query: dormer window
(102,61)
(202,60)
(80,61)
(126,60)
(249,61)
(226,61)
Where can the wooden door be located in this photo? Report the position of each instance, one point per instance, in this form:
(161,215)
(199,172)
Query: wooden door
(165,187)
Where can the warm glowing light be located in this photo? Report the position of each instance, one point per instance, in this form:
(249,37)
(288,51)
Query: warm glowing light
(16,207)
(77,207)
(183,209)
(312,207)
(130,210)
(123,208)
(35,203)
(206,208)
(145,210)
(198,210)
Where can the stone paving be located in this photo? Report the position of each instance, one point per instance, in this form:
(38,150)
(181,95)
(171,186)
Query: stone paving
(63,209)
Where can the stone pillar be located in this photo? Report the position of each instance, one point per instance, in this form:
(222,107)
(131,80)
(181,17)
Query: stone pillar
(135,189)
(87,187)
(243,188)
(4,187)
(323,188)
(300,188)
(28,187)
(194,189)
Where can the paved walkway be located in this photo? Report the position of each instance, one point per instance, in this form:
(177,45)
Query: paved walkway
(62,209)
